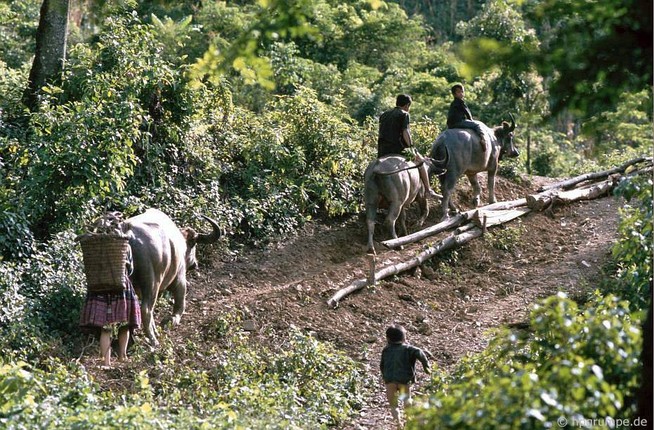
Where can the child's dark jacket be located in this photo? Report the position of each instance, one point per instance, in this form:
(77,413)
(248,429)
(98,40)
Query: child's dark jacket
(398,363)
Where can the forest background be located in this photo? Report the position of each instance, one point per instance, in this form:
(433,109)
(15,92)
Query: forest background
(263,115)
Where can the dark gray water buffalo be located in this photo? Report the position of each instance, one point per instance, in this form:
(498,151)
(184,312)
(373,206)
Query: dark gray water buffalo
(397,182)
(465,156)
(162,254)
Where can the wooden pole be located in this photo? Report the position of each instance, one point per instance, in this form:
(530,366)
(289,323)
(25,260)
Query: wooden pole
(450,242)
(539,202)
(569,183)
(451,223)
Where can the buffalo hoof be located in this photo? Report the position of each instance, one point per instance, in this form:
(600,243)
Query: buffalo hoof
(153,343)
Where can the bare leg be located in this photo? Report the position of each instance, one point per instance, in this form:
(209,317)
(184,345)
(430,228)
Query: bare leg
(391,395)
(105,346)
(424,178)
(394,393)
(123,340)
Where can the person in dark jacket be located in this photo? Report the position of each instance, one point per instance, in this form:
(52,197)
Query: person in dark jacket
(395,137)
(398,368)
(459,115)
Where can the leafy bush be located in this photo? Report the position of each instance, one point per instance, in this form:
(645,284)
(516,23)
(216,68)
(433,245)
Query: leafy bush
(554,156)
(244,387)
(572,365)
(18,22)
(506,238)
(633,249)
(41,299)
(628,125)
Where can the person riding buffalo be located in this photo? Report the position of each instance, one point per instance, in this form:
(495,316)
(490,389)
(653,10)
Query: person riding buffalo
(459,115)
(395,137)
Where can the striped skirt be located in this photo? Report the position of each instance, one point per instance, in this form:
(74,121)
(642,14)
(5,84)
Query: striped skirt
(106,310)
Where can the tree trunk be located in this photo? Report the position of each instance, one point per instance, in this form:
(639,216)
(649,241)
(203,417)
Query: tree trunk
(569,183)
(51,39)
(485,219)
(644,394)
(429,231)
(546,199)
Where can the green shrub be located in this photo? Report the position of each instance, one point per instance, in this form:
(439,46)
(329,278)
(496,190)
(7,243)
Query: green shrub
(633,249)
(572,365)
(506,238)
(41,299)
(299,383)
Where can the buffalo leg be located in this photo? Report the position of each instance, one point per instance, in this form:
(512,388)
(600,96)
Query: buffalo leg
(476,189)
(179,301)
(394,212)
(447,188)
(402,219)
(371,215)
(491,187)
(147,311)
(424,211)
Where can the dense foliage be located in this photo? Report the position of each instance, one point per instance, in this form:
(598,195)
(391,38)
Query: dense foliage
(262,114)
(299,383)
(574,366)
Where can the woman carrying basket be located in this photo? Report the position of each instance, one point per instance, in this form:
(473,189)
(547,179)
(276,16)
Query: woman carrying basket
(113,311)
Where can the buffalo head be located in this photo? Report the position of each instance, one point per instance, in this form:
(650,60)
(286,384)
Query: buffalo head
(505,136)
(192,238)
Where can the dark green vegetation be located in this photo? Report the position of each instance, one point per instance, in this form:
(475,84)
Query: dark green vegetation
(262,115)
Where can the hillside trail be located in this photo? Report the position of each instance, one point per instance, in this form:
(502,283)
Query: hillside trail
(448,305)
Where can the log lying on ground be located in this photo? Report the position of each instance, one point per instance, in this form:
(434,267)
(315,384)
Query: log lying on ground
(589,193)
(450,242)
(486,218)
(569,183)
(455,221)
(544,200)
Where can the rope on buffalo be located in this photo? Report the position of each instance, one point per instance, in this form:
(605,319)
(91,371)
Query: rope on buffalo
(415,166)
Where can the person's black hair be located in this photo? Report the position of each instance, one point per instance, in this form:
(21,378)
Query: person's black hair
(395,334)
(403,100)
(455,87)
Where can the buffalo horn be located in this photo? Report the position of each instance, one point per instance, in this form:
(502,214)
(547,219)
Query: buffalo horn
(512,122)
(209,237)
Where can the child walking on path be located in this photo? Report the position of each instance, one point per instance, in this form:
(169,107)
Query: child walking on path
(398,368)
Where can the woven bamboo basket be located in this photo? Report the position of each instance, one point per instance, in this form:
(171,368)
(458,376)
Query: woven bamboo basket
(104,262)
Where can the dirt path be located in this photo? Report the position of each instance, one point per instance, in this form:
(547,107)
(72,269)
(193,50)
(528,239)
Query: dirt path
(447,306)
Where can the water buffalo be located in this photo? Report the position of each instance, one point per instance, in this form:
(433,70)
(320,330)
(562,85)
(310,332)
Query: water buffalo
(465,156)
(162,253)
(398,183)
